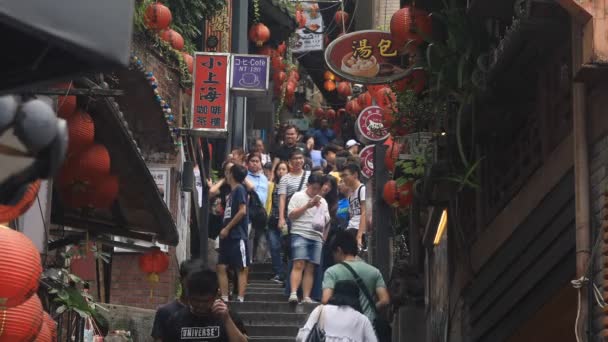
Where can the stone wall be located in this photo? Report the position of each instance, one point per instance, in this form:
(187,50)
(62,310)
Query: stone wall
(136,320)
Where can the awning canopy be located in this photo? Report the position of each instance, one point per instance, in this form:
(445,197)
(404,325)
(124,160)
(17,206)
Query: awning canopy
(50,40)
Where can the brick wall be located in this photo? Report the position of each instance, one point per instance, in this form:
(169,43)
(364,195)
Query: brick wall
(129,285)
(383,13)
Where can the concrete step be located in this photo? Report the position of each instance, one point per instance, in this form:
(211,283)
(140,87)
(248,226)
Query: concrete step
(266,297)
(269,307)
(272,330)
(262,283)
(273,318)
(257,276)
(261,267)
(272,338)
(259,290)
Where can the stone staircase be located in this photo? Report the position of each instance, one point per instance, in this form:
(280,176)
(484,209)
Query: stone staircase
(266,313)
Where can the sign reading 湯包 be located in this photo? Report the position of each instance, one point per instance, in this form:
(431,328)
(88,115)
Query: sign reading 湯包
(210,93)
(249,74)
(308,37)
(368,57)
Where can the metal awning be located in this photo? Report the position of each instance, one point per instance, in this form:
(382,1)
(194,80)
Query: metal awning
(140,211)
(50,40)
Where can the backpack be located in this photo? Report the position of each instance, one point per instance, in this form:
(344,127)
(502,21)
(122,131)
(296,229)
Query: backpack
(257,211)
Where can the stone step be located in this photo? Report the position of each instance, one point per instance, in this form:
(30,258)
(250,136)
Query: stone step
(269,307)
(272,338)
(262,283)
(272,330)
(273,318)
(261,290)
(266,297)
(261,267)
(257,276)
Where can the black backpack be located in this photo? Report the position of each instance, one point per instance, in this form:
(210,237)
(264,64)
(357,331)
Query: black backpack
(257,211)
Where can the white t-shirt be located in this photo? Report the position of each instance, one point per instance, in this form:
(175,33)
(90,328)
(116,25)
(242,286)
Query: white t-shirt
(354,207)
(341,324)
(303,225)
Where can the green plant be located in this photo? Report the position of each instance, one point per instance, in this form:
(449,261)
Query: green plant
(416,113)
(410,170)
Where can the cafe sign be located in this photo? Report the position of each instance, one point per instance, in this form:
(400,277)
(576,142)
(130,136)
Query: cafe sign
(368,57)
(249,74)
(210,93)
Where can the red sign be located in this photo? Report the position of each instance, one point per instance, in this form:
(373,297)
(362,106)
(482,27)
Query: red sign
(367,161)
(369,128)
(217,31)
(368,57)
(210,92)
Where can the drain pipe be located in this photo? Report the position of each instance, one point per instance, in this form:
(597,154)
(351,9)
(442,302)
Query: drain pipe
(581,184)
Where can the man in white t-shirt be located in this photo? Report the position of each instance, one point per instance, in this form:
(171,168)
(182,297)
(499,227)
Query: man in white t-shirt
(356,201)
(309,216)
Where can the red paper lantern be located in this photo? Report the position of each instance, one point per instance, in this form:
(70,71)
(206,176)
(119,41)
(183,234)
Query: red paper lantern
(66,106)
(51,324)
(280,77)
(174,38)
(94,161)
(365,99)
(300,19)
(259,34)
(11,211)
(291,88)
(353,107)
(410,25)
(386,98)
(45,333)
(157,16)
(153,263)
(392,154)
(306,108)
(294,75)
(344,89)
(105,191)
(341,18)
(189,60)
(398,196)
(328,75)
(277,63)
(319,112)
(330,114)
(76,189)
(282,48)
(329,85)
(373,88)
(20,268)
(23,322)
(81,132)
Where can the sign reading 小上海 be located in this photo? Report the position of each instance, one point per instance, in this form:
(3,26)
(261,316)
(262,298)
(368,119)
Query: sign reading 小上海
(249,74)
(309,37)
(210,93)
(367,161)
(369,127)
(368,57)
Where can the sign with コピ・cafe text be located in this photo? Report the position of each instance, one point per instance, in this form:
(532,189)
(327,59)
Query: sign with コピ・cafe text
(368,56)
(249,74)
(210,93)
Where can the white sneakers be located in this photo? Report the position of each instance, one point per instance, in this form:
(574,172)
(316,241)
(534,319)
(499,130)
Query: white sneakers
(293,298)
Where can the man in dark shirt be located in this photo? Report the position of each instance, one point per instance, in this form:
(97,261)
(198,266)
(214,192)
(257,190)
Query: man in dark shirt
(324,135)
(233,236)
(290,144)
(205,318)
(166,311)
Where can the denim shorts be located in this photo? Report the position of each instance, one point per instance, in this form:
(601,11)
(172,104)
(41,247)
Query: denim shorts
(306,249)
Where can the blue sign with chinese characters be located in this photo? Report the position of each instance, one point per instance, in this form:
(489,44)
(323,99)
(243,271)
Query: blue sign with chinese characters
(249,74)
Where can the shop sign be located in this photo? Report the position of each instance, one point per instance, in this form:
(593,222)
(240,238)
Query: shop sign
(367,161)
(368,57)
(249,75)
(161,178)
(210,93)
(310,37)
(369,127)
(218,32)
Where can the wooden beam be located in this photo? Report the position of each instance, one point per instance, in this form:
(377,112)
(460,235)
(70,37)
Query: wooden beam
(576,10)
(76,91)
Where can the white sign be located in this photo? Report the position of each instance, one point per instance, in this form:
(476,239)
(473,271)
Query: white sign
(309,37)
(162,176)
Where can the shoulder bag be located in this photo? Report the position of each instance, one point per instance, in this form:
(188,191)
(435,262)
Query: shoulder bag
(317,333)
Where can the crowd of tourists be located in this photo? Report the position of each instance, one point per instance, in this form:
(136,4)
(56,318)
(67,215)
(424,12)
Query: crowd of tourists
(307,200)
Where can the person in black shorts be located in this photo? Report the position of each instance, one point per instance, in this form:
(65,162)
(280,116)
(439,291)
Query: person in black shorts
(205,317)
(233,236)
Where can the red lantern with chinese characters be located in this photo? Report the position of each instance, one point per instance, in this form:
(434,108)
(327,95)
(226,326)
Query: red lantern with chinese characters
(344,89)
(365,99)
(410,25)
(330,114)
(259,34)
(329,85)
(105,191)
(306,108)
(81,132)
(20,268)
(328,75)
(23,322)
(341,18)
(189,61)
(174,38)
(153,263)
(157,16)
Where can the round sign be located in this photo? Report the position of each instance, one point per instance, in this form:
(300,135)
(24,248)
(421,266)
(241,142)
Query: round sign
(367,161)
(369,128)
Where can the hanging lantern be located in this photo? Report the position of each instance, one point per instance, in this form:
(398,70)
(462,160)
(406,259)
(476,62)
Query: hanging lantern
(189,60)
(157,16)
(174,38)
(328,75)
(23,322)
(410,26)
(330,114)
(290,89)
(398,196)
(76,191)
(153,263)
(50,322)
(105,192)
(353,107)
(282,48)
(341,18)
(300,19)
(389,193)
(280,77)
(344,89)
(21,204)
(294,75)
(66,106)
(277,63)
(259,34)
(45,333)
(306,108)
(365,99)
(392,154)
(20,268)
(329,85)
(406,195)
(319,112)
(94,161)
(386,98)
(373,88)
(81,132)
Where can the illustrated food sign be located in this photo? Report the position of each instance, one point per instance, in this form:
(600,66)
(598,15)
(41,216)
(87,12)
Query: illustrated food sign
(369,127)
(309,37)
(368,57)
(210,93)
(249,74)
(367,161)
